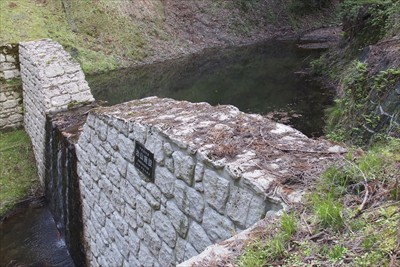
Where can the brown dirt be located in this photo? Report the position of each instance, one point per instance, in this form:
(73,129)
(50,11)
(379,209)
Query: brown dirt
(191,26)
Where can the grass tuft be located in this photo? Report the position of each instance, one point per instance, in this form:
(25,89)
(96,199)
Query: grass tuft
(18,174)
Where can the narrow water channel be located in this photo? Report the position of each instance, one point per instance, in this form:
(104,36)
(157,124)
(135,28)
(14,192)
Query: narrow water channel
(259,79)
(31,238)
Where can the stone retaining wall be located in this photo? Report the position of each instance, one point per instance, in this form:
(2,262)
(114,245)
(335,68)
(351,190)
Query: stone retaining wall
(52,81)
(9,62)
(11,115)
(201,193)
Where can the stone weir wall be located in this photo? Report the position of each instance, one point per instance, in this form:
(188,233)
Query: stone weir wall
(161,180)
(52,81)
(10,88)
(217,171)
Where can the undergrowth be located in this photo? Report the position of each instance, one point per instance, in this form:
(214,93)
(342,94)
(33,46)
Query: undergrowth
(353,118)
(368,21)
(18,175)
(351,217)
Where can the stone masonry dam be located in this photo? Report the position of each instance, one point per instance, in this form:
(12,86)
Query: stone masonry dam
(161,180)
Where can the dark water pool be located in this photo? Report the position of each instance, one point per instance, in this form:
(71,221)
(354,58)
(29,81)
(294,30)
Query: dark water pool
(31,238)
(257,79)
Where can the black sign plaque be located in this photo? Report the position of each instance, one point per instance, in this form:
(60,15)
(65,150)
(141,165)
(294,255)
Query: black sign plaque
(144,160)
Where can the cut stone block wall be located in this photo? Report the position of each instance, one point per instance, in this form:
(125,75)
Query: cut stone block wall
(52,81)
(9,62)
(199,196)
(217,170)
(11,115)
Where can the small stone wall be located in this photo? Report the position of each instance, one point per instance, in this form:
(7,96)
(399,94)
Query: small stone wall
(211,178)
(9,62)
(52,81)
(11,115)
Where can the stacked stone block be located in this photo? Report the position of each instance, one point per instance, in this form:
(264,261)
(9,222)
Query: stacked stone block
(131,221)
(52,81)
(10,106)
(9,62)
(10,89)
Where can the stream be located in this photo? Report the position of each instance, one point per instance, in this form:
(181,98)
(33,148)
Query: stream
(31,238)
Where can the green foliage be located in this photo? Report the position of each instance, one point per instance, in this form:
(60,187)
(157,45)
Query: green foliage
(328,210)
(253,256)
(303,6)
(333,234)
(337,252)
(353,117)
(18,176)
(335,181)
(369,241)
(368,21)
(94,32)
(245,5)
(318,66)
(258,254)
(288,225)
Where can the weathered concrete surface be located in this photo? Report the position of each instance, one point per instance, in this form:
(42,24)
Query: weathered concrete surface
(218,171)
(52,81)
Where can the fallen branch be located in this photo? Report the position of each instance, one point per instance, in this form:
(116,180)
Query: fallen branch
(305,222)
(362,206)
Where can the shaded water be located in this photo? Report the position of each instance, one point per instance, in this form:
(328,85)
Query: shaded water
(49,235)
(62,190)
(31,238)
(257,79)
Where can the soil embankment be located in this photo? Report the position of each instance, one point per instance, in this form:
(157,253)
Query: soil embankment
(106,35)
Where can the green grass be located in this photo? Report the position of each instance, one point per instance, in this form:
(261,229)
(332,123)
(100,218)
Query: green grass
(18,174)
(94,32)
(260,253)
(288,224)
(327,210)
(332,227)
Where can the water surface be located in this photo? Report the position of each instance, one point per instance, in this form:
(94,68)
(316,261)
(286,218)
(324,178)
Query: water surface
(31,238)
(257,79)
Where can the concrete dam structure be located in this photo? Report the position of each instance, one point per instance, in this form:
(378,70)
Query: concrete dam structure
(160,180)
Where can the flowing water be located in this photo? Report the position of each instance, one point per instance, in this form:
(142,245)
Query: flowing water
(257,79)
(31,238)
(62,190)
(49,235)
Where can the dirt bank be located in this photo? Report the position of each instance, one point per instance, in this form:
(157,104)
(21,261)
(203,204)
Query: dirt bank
(104,35)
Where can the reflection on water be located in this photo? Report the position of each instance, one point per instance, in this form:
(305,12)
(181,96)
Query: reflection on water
(256,79)
(31,238)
